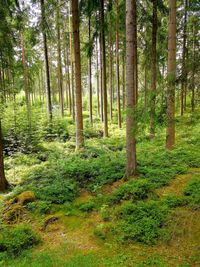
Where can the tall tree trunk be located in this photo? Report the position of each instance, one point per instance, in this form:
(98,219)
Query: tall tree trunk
(78,89)
(123,85)
(90,75)
(117,68)
(59,60)
(193,69)
(145,88)
(68,80)
(48,86)
(72,66)
(26,83)
(183,78)
(111,74)
(171,72)
(101,80)
(3,181)
(97,76)
(104,84)
(153,70)
(130,87)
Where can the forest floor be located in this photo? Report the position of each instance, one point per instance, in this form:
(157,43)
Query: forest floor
(84,231)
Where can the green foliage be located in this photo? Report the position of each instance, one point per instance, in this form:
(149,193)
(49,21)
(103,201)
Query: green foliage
(173,201)
(42,207)
(192,191)
(133,190)
(142,222)
(87,206)
(14,240)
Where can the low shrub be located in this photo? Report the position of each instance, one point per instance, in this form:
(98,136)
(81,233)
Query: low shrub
(42,207)
(133,190)
(13,241)
(87,206)
(192,191)
(142,222)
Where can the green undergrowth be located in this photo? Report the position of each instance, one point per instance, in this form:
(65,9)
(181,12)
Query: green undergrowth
(14,240)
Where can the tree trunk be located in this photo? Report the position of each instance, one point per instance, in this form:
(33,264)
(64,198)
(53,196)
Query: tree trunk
(123,86)
(97,75)
(111,74)
(71,66)
(26,83)
(101,80)
(3,181)
(171,72)
(104,85)
(78,89)
(48,86)
(59,60)
(90,75)
(183,78)
(130,87)
(153,71)
(117,68)
(193,69)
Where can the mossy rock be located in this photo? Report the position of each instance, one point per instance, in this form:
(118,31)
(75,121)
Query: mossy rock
(14,208)
(25,198)
(13,213)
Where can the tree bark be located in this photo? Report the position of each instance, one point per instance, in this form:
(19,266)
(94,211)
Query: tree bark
(183,75)
(104,84)
(97,76)
(90,75)
(130,87)
(48,86)
(153,70)
(78,89)
(117,68)
(59,61)
(71,66)
(171,72)
(3,181)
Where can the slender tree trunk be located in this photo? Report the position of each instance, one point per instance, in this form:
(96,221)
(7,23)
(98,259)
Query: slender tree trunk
(111,74)
(48,86)
(183,78)
(97,75)
(68,81)
(153,70)
(123,85)
(145,88)
(171,69)
(26,83)
(72,66)
(101,80)
(117,68)
(78,91)
(193,69)
(59,60)
(104,84)
(90,75)
(3,181)
(130,87)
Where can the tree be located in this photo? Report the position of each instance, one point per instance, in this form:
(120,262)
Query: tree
(171,76)
(48,86)
(183,74)
(117,67)
(59,60)
(3,181)
(104,82)
(130,87)
(78,89)
(153,70)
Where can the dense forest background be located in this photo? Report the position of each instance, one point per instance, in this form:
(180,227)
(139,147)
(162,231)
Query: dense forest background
(99,132)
